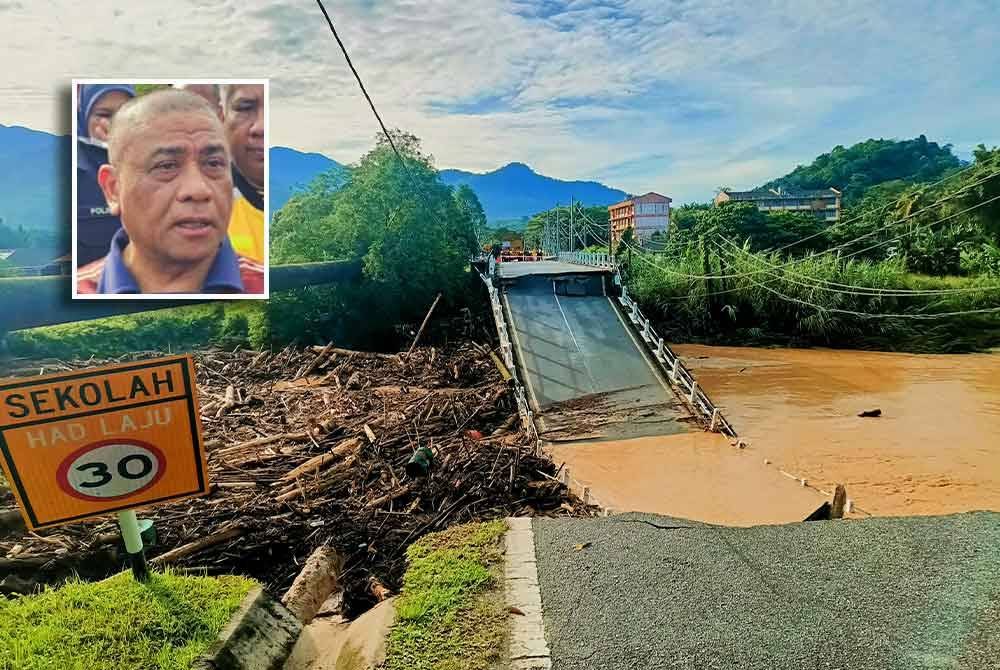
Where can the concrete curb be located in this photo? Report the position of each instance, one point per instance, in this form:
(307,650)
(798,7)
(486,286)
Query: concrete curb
(528,648)
(260,636)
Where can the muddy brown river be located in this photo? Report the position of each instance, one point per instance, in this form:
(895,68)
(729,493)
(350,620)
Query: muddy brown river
(935,449)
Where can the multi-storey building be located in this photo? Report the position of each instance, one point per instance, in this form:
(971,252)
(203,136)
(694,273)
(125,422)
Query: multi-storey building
(645,214)
(822,203)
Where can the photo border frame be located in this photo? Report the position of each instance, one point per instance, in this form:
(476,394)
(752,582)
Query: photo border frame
(74,97)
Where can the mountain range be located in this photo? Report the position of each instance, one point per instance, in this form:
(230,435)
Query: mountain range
(515,191)
(35,182)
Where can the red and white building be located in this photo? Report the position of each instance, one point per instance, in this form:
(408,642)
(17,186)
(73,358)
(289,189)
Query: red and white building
(645,214)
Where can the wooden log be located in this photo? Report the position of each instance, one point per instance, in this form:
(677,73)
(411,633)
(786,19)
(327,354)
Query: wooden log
(839,500)
(316,361)
(228,403)
(316,462)
(336,474)
(24,563)
(262,441)
(424,324)
(319,577)
(388,497)
(198,545)
(378,589)
(358,354)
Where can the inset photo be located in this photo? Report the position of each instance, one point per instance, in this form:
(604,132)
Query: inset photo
(170,189)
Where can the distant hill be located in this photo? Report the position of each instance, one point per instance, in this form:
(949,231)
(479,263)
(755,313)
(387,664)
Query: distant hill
(856,169)
(35,180)
(35,183)
(516,191)
(291,170)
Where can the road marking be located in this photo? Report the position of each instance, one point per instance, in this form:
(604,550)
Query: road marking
(583,357)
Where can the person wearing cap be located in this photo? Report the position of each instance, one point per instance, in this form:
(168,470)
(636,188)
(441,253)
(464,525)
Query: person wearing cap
(95,225)
(243,118)
(169,180)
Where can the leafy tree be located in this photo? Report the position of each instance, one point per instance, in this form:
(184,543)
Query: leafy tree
(684,217)
(854,170)
(411,233)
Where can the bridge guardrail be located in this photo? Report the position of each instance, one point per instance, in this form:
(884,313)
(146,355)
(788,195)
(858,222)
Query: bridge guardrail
(586,258)
(677,373)
(507,354)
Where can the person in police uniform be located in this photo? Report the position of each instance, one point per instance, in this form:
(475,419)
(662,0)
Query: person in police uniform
(243,120)
(95,224)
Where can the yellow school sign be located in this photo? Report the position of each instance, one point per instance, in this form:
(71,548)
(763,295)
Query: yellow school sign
(79,444)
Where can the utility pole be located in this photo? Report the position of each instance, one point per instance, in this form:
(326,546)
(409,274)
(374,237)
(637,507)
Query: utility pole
(558,240)
(572,237)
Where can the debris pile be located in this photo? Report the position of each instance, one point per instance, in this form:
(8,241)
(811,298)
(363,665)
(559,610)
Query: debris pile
(362,451)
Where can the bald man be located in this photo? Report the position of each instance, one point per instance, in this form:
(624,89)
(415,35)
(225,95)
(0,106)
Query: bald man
(168,179)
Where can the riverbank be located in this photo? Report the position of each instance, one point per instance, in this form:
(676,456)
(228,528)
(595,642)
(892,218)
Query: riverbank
(933,450)
(750,300)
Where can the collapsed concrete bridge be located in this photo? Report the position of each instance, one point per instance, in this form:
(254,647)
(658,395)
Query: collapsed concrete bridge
(605,395)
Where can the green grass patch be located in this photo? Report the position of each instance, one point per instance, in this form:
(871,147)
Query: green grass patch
(451,614)
(118,624)
(174,329)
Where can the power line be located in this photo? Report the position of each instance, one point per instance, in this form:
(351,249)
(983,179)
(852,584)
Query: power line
(847,244)
(853,289)
(870,315)
(361,84)
(357,76)
(883,209)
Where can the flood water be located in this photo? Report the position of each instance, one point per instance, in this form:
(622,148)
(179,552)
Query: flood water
(695,475)
(934,450)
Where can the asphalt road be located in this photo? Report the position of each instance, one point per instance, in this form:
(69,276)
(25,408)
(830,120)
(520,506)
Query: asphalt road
(646,591)
(574,346)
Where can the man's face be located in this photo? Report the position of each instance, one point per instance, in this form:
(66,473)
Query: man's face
(172,187)
(100,115)
(244,119)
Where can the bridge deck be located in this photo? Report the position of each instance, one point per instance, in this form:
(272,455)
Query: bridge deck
(584,370)
(512,270)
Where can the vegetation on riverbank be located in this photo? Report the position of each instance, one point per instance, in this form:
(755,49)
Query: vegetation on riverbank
(451,614)
(912,266)
(174,329)
(760,301)
(412,234)
(119,623)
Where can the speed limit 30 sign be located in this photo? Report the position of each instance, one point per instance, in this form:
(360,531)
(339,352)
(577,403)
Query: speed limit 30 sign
(81,444)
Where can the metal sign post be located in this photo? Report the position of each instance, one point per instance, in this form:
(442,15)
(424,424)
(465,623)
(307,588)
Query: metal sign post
(133,544)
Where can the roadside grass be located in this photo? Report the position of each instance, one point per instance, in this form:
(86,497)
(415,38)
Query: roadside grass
(451,614)
(177,329)
(118,624)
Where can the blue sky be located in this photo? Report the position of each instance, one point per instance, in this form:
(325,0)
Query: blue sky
(678,97)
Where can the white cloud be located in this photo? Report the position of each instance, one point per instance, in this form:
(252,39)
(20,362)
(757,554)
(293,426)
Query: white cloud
(678,97)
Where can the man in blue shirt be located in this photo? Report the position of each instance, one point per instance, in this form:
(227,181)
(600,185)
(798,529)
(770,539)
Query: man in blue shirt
(168,179)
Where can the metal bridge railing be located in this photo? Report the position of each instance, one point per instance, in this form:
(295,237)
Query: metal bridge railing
(587,258)
(507,355)
(678,375)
